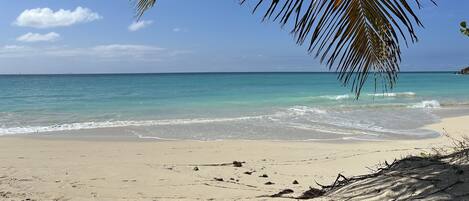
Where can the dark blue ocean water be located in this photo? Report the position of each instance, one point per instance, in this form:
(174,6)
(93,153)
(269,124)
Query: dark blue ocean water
(296,106)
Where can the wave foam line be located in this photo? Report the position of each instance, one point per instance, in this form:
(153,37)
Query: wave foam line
(115,124)
(337,97)
(427,104)
(348,96)
(396,94)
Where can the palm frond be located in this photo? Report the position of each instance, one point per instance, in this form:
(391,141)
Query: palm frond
(354,37)
(142,6)
(464,28)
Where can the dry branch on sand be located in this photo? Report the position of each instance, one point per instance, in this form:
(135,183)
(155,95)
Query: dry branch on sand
(435,176)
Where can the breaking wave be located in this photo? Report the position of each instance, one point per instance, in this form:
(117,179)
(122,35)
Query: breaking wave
(115,124)
(337,97)
(427,104)
(350,96)
(397,94)
(302,110)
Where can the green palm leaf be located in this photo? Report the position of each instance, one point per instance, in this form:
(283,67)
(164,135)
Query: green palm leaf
(464,29)
(355,38)
(143,5)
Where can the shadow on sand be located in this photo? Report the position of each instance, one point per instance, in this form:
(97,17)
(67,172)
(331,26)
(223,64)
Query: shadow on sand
(412,178)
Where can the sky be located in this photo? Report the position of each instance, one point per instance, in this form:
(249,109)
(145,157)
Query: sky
(89,36)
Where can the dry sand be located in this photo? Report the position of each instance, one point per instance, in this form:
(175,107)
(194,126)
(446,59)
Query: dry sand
(45,169)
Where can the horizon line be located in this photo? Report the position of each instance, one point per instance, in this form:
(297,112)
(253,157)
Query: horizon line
(211,72)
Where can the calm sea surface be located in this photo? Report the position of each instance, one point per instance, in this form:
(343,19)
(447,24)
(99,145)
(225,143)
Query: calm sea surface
(294,106)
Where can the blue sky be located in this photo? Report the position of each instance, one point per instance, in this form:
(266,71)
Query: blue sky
(187,36)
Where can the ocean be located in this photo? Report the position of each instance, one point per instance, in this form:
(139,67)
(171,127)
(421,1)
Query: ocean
(217,106)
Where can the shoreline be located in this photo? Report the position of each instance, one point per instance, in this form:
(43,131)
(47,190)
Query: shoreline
(130,132)
(68,169)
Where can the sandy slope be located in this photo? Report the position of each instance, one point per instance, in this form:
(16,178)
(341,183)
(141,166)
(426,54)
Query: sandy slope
(44,169)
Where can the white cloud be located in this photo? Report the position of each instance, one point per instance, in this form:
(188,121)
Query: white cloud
(46,17)
(141,52)
(13,47)
(125,47)
(179,29)
(36,37)
(135,26)
(14,51)
(111,52)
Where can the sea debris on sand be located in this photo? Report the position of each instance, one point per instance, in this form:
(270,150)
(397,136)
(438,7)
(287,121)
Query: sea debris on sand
(249,172)
(283,192)
(237,164)
(218,179)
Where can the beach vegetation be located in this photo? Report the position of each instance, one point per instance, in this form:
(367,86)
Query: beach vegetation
(439,174)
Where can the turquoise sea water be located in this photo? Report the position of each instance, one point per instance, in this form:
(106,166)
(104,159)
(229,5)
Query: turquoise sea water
(297,106)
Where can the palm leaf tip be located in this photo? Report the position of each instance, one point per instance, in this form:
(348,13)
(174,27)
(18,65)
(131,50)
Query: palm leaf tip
(464,29)
(141,6)
(353,37)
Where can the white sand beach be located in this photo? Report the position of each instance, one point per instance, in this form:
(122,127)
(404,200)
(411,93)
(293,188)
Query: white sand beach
(148,100)
(57,169)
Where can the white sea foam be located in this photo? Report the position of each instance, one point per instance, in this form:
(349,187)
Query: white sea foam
(140,136)
(337,97)
(320,120)
(304,119)
(396,94)
(427,104)
(344,122)
(115,124)
(302,110)
(349,96)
